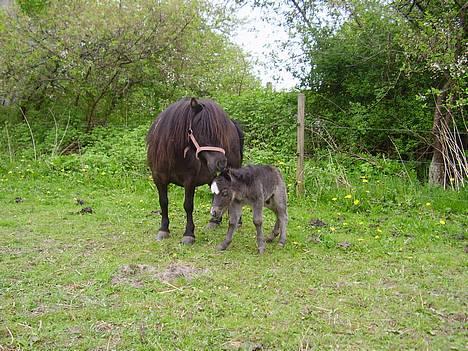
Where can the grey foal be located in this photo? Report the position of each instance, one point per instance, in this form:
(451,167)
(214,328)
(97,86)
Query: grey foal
(257,186)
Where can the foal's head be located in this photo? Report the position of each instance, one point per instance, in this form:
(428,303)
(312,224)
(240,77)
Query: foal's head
(223,194)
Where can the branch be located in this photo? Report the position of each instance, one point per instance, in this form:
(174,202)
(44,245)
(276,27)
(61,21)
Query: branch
(303,14)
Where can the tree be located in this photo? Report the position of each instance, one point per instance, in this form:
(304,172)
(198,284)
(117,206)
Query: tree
(91,56)
(367,58)
(435,41)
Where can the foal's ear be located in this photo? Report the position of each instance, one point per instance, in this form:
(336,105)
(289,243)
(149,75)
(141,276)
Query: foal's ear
(226,174)
(243,176)
(196,107)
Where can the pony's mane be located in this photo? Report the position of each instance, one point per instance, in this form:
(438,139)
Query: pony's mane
(168,136)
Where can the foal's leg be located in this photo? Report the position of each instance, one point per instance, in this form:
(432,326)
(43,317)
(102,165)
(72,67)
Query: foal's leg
(235,212)
(258,221)
(189,235)
(163,232)
(276,229)
(271,204)
(283,221)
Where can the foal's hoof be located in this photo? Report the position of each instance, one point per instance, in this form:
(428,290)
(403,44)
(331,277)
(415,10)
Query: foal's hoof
(212,226)
(221,247)
(187,240)
(162,235)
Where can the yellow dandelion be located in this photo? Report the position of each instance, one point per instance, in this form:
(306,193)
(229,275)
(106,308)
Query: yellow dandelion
(364,180)
(379,230)
(376,237)
(442,221)
(356,202)
(334,199)
(428,204)
(349,196)
(332,229)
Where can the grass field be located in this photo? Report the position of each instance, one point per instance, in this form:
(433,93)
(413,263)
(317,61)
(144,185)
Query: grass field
(357,273)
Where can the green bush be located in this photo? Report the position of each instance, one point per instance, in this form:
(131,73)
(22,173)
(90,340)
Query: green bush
(267,118)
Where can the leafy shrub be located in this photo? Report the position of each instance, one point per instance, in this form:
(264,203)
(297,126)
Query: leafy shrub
(268,119)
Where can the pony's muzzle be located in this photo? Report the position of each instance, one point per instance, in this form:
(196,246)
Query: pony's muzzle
(221,165)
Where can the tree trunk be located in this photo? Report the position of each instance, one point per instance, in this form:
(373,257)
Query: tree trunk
(437,169)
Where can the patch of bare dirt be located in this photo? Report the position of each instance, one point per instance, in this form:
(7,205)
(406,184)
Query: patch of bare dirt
(177,270)
(317,223)
(11,251)
(135,275)
(243,345)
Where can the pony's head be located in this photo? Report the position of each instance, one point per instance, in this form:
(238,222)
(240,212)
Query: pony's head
(193,131)
(206,135)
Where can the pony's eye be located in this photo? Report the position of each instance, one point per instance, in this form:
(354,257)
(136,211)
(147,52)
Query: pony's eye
(224,193)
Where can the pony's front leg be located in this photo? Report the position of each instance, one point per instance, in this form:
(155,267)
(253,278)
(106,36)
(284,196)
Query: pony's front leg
(163,232)
(189,234)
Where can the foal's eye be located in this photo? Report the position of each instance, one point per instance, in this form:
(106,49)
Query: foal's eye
(224,193)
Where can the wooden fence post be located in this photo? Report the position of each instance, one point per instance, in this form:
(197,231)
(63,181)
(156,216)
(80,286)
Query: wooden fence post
(300,145)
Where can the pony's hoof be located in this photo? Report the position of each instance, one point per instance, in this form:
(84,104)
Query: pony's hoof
(221,247)
(261,250)
(212,226)
(188,240)
(281,245)
(162,235)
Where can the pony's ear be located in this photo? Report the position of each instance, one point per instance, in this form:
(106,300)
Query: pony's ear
(196,107)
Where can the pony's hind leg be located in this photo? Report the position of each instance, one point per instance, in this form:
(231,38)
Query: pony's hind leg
(163,232)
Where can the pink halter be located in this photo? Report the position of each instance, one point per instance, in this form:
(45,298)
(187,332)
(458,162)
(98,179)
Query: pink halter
(201,148)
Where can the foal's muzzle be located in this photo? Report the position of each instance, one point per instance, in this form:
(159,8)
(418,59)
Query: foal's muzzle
(216,212)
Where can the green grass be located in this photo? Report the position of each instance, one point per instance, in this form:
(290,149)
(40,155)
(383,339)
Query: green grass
(388,273)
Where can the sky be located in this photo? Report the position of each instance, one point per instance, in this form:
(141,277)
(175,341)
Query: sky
(259,39)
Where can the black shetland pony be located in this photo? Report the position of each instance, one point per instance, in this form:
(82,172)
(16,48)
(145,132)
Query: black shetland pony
(187,144)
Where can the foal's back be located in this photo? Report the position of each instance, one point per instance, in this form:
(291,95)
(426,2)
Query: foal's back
(263,181)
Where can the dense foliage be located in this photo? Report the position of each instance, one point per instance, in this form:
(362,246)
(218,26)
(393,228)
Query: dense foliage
(96,60)
(388,76)
(381,78)
(364,96)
